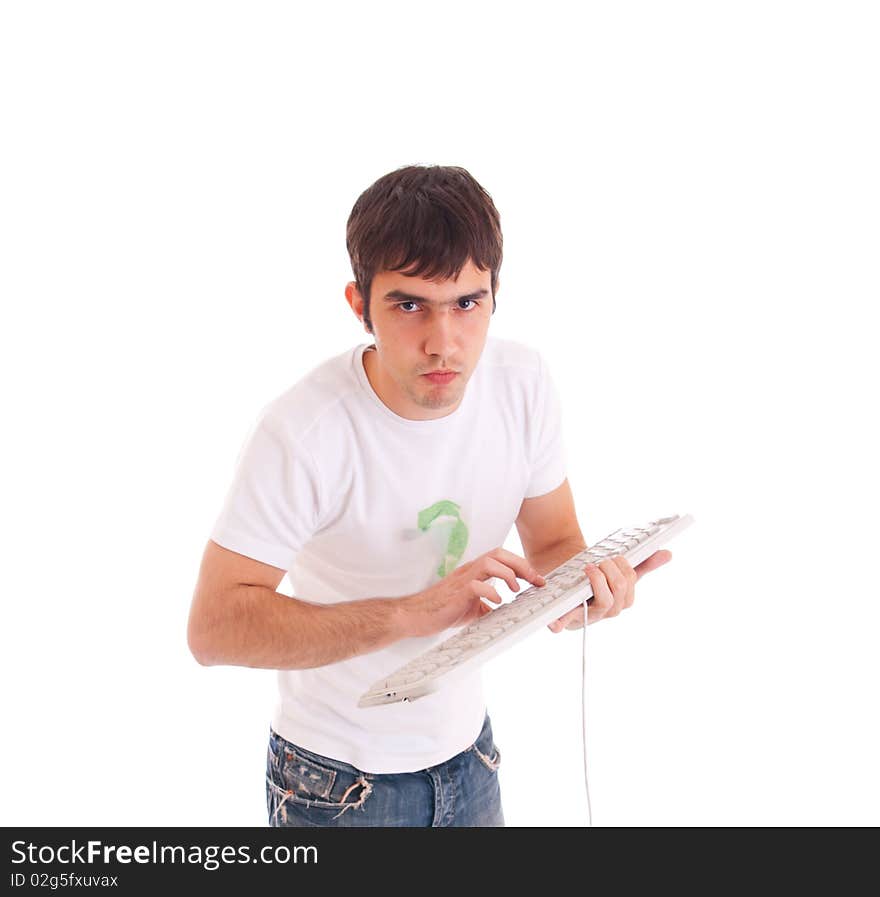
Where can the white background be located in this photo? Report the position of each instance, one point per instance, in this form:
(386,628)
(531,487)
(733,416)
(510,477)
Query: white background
(689,195)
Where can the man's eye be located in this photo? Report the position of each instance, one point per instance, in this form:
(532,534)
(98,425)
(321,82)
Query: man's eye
(403,305)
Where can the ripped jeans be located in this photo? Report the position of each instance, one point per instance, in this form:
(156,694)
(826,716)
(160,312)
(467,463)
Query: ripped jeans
(306,789)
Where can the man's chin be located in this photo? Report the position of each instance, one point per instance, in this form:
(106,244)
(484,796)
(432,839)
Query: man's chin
(437,397)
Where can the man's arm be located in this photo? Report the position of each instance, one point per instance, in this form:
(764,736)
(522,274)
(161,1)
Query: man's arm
(237,617)
(550,535)
(548,529)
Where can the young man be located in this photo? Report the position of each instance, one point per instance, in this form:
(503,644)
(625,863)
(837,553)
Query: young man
(384,483)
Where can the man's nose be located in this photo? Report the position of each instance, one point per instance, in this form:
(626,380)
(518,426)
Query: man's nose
(441,335)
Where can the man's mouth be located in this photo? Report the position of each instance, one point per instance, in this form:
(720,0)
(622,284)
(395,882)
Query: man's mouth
(441,377)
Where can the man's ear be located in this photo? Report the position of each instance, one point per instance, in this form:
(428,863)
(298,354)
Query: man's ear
(356,303)
(353,297)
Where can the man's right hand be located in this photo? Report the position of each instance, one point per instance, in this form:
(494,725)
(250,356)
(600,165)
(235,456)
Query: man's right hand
(457,599)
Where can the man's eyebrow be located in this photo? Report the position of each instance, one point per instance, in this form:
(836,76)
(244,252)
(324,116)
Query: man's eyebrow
(400,296)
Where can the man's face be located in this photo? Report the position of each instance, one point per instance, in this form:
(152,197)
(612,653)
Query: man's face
(422,326)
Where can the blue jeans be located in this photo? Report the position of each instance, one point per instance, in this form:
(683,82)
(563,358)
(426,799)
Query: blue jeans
(306,789)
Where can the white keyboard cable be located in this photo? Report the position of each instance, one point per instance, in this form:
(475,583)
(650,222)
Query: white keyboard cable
(584,713)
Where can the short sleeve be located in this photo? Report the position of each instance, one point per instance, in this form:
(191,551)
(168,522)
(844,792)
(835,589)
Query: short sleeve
(273,504)
(546,449)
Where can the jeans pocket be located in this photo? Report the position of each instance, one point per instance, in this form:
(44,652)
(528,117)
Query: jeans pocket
(486,749)
(295,778)
(306,779)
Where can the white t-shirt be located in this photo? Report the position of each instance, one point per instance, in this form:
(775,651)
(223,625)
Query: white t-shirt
(355,501)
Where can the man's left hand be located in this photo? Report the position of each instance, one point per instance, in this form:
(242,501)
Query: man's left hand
(613,581)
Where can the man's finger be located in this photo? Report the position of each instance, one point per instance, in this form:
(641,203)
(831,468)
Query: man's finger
(657,559)
(603,599)
(576,615)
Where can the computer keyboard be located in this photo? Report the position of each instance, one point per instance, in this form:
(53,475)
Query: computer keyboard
(565,588)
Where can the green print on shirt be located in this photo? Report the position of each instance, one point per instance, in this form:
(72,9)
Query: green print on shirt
(458,535)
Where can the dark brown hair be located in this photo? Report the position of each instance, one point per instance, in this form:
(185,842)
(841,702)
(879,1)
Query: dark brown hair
(424,220)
